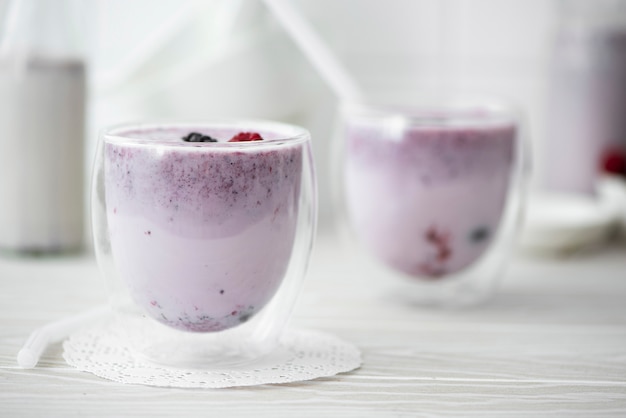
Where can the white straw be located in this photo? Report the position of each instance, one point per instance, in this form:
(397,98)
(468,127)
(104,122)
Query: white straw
(315,49)
(41,338)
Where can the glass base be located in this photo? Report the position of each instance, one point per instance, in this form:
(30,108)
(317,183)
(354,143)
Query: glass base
(448,294)
(202,357)
(158,344)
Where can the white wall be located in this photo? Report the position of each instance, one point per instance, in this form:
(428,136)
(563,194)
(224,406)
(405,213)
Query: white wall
(173,59)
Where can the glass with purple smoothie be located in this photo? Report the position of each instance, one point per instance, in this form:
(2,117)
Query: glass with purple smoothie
(203,232)
(432,193)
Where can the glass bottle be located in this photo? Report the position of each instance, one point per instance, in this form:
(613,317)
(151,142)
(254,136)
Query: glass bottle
(42,123)
(586,95)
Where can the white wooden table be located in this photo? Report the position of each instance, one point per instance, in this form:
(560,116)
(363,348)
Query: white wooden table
(552,342)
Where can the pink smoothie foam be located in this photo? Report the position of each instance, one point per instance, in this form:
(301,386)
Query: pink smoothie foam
(201,233)
(427,200)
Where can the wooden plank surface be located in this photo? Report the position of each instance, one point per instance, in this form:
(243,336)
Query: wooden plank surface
(553,340)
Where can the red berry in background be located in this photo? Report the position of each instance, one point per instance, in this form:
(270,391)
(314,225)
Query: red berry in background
(614,161)
(246,137)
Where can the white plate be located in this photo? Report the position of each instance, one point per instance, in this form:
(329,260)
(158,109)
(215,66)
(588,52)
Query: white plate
(562,222)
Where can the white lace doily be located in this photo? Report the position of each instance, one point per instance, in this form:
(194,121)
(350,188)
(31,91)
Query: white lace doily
(302,355)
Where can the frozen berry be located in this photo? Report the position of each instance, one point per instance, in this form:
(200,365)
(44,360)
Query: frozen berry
(614,161)
(193,137)
(198,137)
(246,137)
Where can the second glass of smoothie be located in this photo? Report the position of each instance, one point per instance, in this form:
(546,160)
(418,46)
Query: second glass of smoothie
(432,193)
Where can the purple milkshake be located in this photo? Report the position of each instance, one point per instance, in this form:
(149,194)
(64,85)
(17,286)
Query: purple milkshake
(201,233)
(426,191)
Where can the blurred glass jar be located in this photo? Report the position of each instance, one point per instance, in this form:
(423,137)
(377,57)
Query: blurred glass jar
(586,127)
(42,122)
(204,245)
(432,193)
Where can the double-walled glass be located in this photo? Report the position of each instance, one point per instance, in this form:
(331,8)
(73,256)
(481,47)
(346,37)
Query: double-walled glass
(204,245)
(432,193)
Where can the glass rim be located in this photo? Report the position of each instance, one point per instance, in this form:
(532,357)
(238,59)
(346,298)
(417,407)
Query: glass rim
(122,133)
(440,112)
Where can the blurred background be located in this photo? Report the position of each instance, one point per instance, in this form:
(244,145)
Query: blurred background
(563,63)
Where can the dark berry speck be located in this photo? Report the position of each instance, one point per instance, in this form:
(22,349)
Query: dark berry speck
(479,234)
(198,137)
